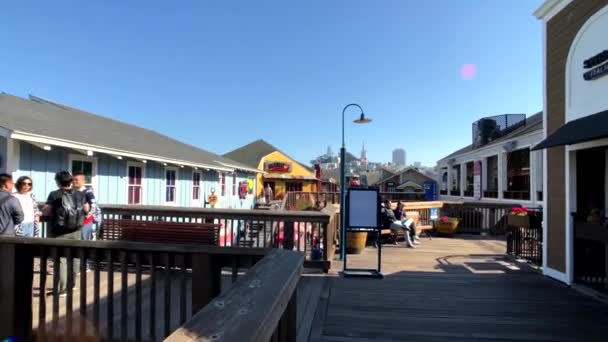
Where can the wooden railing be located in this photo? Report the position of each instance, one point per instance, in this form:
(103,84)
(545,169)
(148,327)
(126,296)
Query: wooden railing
(136,291)
(261,306)
(333,230)
(299,200)
(479,217)
(525,237)
(302,231)
(590,253)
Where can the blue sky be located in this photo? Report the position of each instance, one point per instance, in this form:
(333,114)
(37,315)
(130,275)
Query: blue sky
(220,74)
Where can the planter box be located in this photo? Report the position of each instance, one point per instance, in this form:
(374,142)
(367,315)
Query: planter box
(518,221)
(446,228)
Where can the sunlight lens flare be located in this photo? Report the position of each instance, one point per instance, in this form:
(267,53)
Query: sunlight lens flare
(468,71)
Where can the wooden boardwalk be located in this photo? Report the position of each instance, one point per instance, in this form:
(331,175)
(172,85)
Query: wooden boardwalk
(459,289)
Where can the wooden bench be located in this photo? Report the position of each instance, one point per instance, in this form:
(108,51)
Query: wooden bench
(160,231)
(394,235)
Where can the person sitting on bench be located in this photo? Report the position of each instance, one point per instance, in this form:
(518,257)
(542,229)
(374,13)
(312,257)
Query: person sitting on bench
(390,221)
(409,223)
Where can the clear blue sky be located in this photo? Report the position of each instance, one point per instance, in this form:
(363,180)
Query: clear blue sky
(219,74)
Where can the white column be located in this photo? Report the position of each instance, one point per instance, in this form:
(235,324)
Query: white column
(533,171)
(12,156)
(502,173)
(571,206)
(449,184)
(484,175)
(463,178)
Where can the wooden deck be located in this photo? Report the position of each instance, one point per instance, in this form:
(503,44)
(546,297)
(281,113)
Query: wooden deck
(459,289)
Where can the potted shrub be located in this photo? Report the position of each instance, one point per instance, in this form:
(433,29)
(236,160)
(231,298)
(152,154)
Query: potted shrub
(447,225)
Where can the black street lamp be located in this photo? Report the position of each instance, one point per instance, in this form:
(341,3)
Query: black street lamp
(361,120)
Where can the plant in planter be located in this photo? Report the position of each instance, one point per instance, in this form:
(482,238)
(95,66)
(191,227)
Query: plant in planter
(519,211)
(447,225)
(523,217)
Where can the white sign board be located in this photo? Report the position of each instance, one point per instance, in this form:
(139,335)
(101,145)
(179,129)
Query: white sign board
(363,208)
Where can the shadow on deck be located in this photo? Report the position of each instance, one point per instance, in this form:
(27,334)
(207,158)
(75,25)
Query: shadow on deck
(459,289)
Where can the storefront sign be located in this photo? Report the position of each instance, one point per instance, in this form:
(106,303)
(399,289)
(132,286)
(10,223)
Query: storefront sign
(277,166)
(598,66)
(477,180)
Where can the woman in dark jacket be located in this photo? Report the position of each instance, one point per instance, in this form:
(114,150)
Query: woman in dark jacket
(398,211)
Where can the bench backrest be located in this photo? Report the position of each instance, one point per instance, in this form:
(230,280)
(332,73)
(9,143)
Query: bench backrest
(414,215)
(160,231)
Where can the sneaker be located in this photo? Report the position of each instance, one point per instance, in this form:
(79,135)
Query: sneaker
(416,238)
(416,242)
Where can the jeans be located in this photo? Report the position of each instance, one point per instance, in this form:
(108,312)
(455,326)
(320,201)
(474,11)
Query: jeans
(27,229)
(399,225)
(63,264)
(87,231)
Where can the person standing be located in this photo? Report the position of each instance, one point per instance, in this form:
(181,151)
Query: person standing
(30,225)
(67,210)
(11,213)
(94,214)
(268,193)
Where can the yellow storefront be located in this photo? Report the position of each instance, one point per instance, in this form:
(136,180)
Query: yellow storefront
(285,175)
(282,173)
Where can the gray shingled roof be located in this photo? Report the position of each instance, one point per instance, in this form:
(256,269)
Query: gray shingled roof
(533,123)
(41,117)
(252,153)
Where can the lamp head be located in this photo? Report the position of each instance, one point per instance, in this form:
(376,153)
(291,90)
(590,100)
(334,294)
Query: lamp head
(362,119)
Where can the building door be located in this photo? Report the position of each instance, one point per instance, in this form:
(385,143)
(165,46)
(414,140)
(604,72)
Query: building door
(590,247)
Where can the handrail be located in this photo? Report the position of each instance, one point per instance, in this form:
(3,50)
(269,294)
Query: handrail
(253,307)
(292,216)
(133,246)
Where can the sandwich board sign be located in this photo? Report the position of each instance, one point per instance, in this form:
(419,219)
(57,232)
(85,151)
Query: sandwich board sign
(363,215)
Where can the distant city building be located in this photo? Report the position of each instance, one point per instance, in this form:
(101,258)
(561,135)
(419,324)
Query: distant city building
(330,152)
(417,164)
(399,157)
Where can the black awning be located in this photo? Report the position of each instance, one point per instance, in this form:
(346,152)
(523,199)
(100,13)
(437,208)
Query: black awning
(589,128)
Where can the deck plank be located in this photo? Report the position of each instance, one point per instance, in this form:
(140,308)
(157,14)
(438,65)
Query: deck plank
(455,289)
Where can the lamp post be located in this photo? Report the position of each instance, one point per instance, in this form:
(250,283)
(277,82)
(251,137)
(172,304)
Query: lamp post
(361,120)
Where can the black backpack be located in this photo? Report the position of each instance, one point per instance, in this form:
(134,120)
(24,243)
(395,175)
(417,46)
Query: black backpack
(70,215)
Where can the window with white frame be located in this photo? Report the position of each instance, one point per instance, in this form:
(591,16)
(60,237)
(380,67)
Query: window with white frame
(170,185)
(196,186)
(234,184)
(86,165)
(135,190)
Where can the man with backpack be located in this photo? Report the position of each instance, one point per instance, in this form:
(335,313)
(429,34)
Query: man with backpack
(11,213)
(67,210)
